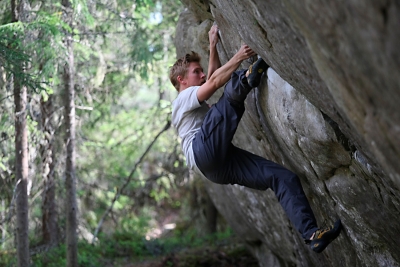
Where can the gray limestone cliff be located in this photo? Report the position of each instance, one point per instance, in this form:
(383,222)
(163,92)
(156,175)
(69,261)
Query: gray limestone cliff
(328,109)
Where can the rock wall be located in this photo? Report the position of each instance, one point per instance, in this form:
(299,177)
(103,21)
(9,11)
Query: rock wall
(328,109)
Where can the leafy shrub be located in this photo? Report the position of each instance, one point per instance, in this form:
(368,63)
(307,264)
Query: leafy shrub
(88,256)
(8,258)
(124,242)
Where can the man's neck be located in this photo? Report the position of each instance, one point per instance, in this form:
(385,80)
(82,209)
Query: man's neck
(183,88)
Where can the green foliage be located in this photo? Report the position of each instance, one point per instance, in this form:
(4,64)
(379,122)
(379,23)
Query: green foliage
(28,50)
(153,39)
(128,240)
(88,256)
(122,245)
(122,52)
(8,258)
(192,239)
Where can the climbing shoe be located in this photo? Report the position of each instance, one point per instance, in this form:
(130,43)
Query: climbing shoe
(324,237)
(255,72)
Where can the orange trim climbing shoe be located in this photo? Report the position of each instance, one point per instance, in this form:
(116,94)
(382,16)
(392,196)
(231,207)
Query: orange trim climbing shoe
(255,72)
(324,237)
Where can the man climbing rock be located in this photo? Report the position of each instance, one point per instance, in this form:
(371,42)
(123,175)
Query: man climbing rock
(207,135)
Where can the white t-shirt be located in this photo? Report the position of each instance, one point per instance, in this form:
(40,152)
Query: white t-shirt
(187,117)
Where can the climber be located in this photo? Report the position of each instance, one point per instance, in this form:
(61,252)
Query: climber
(207,134)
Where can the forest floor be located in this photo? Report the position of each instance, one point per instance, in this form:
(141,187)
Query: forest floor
(227,255)
(230,251)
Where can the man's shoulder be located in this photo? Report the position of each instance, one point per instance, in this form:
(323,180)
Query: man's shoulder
(186,94)
(189,90)
(187,99)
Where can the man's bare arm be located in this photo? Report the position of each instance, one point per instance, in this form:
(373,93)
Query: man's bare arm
(223,74)
(214,62)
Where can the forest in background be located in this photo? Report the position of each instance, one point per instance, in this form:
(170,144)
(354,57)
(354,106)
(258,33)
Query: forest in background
(90,169)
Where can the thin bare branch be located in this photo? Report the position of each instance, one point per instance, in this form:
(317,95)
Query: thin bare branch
(127,181)
(7,96)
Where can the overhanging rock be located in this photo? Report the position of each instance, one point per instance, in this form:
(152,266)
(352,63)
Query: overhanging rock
(328,110)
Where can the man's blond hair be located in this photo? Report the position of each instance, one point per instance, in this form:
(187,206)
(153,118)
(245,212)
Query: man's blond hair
(181,66)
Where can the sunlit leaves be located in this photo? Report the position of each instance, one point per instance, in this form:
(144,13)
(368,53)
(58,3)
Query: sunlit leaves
(123,96)
(28,50)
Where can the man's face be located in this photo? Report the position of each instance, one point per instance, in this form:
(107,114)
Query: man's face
(195,75)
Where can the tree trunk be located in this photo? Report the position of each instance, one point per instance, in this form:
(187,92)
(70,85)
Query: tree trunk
(21,160)
(3,219)
(21,173)
(211,215)
(70,180)
(49,211)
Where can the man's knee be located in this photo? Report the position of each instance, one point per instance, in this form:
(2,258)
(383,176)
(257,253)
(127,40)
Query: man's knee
(237,88)
(215,178)
(290,182)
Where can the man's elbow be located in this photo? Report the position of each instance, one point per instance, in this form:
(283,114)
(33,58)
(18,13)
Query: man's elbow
(213,83)
(206,90)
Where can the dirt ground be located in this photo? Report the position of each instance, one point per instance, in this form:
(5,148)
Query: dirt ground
(223,256)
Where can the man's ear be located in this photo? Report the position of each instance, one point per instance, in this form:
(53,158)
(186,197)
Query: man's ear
(180,80)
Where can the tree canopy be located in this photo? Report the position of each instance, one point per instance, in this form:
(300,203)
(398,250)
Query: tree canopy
(128,160)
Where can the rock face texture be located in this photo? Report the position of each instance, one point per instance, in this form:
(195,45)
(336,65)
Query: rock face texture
(328,109)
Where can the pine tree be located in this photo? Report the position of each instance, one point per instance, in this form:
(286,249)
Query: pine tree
(70,181)
(19,12)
